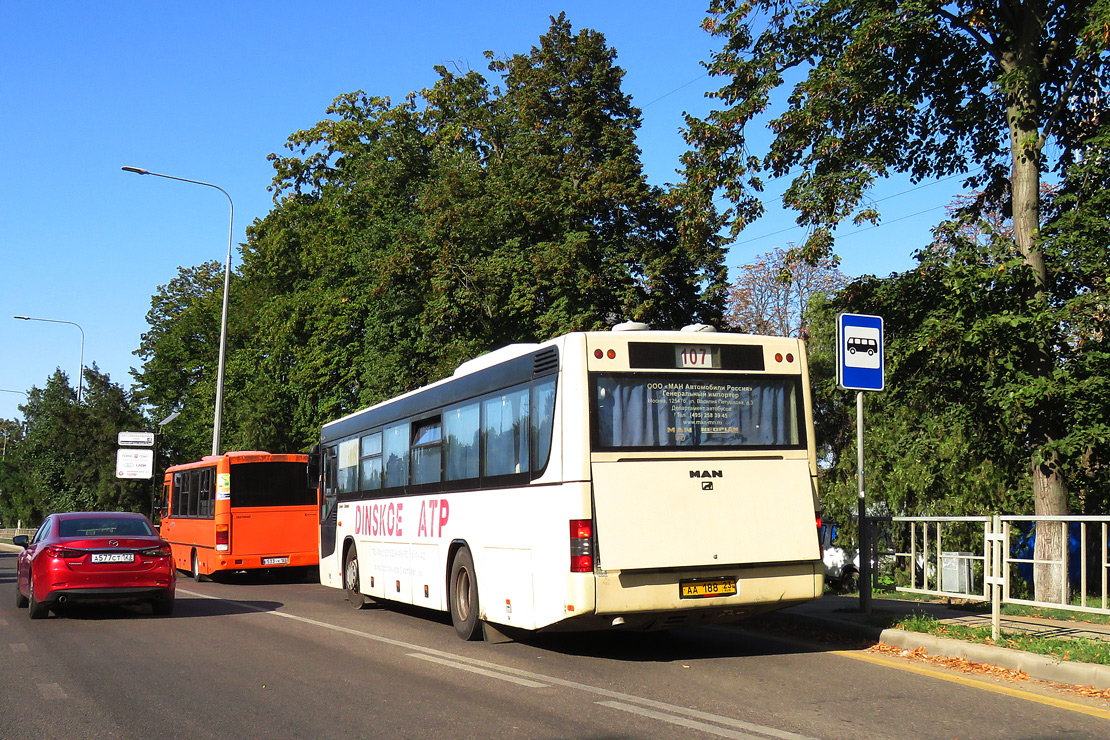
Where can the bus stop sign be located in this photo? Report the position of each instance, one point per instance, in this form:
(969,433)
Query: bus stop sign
(859,352)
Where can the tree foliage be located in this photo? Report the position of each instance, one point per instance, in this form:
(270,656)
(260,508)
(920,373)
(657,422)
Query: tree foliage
(407,238)
(772,294)
(66,451)
(926,88)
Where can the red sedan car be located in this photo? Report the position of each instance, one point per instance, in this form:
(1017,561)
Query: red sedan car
(97,557)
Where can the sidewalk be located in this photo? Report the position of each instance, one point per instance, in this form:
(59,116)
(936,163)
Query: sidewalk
(841,614)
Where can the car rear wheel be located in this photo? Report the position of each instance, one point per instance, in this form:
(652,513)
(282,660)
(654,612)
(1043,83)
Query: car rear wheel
(20,599)
(35,609)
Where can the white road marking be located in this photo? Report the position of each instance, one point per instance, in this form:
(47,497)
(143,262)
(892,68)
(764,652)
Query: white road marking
(18,647)
(664,711)
(761,732)
(481,671)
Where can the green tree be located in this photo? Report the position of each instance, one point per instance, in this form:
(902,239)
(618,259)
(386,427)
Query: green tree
(408,238)
(927,88)
(68,450)
(12,480)
(180,353)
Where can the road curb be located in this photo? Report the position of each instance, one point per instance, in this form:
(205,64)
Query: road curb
(1035,666)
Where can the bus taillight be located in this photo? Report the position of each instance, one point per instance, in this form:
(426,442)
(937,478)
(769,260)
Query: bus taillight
(581,546)
(223,538)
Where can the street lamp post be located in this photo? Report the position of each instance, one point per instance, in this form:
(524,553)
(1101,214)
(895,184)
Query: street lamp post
(223,318)
(81,371)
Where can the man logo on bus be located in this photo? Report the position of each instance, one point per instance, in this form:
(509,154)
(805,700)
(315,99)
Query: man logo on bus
(707,474)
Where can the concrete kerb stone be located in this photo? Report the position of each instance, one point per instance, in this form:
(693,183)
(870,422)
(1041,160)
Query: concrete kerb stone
(1035,666)
(1039,667)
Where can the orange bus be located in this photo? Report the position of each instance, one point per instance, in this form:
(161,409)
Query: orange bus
(241,511)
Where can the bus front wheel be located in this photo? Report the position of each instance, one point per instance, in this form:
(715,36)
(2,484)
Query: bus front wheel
(350,579)
(463,596)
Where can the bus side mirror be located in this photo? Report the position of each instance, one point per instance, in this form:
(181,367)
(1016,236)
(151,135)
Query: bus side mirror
(314,467)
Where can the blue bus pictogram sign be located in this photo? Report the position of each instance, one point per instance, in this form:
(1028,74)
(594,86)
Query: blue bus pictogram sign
(859,352)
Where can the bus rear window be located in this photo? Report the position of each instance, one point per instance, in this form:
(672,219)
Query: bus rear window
(270,484)
(638,411)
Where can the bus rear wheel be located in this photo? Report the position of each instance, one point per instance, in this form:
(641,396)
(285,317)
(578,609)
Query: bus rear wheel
(350,579)
(463,596)
(195,569)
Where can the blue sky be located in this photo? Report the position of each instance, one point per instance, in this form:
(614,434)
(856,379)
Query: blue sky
(206,90)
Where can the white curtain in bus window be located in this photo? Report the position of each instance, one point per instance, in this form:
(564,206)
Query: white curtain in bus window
(370,453)
(505,430)
(348,466)
(684,411)
(460,441)
(396,453)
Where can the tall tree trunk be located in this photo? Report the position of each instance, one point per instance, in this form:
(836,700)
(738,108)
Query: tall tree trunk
(1050,492)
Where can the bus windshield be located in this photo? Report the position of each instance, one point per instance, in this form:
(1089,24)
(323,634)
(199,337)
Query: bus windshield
(257,484)
(638,411)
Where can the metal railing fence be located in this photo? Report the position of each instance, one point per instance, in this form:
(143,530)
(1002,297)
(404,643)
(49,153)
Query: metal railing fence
(992,559)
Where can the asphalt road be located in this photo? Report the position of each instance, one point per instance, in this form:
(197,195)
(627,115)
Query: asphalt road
(291,660)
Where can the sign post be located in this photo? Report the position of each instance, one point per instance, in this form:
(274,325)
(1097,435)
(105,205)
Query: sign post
(860,367)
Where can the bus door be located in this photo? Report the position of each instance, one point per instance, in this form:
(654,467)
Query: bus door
(328,502)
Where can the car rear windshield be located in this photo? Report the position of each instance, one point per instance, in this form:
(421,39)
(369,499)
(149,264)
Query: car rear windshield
(104,527)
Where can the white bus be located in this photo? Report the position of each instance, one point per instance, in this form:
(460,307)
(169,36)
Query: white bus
(635,478)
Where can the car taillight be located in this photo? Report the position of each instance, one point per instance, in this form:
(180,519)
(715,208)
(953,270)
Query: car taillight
(223,537)
(162,551)
(61,552)
(581,546)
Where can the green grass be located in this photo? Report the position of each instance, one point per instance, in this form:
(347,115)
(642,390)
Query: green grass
(1079,649)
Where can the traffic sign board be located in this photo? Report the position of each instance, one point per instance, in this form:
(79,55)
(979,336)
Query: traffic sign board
(859,352)
(135,439)
(132,463)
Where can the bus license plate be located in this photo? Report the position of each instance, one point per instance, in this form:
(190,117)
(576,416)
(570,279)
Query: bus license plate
(113,557)
(275,561)
(706,589)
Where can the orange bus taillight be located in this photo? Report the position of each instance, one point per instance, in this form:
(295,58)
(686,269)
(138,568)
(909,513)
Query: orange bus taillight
(581,546)
(223,538)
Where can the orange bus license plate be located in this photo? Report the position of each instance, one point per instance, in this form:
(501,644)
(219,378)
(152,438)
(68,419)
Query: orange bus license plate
(706,589)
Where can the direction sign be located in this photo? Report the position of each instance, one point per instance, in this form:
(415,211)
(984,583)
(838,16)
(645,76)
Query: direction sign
(859,352)
(135,439)
(134,463)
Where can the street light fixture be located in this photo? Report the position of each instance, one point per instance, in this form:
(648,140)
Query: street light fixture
(223,318)
(81,372)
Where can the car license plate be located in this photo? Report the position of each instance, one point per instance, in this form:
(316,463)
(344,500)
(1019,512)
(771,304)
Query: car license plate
(113,557)
(275,561)
(707,589)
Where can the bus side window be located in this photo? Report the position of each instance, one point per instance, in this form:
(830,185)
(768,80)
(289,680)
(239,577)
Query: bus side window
(347,466)
(505,422)
(427,446)
(543,421)
(396,453)
(460,441)
(370,462)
